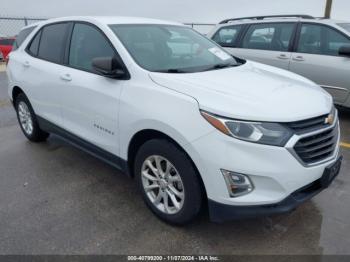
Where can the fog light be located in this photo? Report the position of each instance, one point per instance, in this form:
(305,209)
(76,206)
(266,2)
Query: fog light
(237,184)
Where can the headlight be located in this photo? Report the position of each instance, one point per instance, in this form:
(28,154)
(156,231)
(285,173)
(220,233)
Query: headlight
(257,132)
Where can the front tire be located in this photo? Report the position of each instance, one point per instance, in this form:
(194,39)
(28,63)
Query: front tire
(168,181)
(27,120)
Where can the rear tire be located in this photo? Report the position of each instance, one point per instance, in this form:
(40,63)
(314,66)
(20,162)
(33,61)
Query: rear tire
(28,121)
(168,181)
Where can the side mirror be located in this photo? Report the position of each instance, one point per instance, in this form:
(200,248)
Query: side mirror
(109,67)
(344,50)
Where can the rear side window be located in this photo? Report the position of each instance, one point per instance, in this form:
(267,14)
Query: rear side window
(322,40)
(87,43)
(273,37)
(21,37)
(227,36)
(52,42)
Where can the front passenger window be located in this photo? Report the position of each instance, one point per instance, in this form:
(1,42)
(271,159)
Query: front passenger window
(227,36)
(87,43)
(273,37)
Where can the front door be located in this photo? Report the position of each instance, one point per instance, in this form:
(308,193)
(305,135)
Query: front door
(90,101)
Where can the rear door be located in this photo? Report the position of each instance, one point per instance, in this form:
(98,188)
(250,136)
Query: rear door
(40,67)
(317,58)
(268,43)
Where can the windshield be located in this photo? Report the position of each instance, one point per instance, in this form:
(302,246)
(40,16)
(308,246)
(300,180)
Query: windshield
(172,49)
(345,26)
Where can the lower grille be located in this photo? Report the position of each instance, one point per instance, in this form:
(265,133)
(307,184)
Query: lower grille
(318,147)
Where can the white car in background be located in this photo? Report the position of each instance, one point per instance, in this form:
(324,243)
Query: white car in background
(193,125)
(318,49)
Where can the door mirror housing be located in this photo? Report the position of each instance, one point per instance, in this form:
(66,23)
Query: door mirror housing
(344,50)
(109,67)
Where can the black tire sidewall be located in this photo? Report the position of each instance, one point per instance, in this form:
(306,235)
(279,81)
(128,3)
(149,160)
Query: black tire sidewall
(37,135)
(182,163)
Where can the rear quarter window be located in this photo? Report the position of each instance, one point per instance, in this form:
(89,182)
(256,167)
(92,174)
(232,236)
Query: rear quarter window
(21,37)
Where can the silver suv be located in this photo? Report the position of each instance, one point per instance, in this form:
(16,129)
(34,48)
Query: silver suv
(318,49)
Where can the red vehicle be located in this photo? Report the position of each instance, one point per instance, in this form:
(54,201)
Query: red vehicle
(6,45)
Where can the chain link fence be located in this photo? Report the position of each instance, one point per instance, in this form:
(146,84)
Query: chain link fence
(10,26)
(203,28)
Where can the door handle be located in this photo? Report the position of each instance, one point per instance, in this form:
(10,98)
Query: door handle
(298,58)
(66,77)
(26,64)
(283,56)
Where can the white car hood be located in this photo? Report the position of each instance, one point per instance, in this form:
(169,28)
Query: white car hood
(252,91)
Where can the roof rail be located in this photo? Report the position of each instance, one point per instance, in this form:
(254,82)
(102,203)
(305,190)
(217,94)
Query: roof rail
(266,16)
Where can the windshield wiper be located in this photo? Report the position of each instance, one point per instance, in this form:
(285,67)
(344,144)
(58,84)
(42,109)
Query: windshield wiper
(220,66)
(172,70)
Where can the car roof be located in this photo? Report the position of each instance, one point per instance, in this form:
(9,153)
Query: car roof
(108,20)
(282,19)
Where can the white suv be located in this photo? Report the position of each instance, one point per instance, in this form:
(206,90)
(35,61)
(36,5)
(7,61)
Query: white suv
(318,49)
(195,126)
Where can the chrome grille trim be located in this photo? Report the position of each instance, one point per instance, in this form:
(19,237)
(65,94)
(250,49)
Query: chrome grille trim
(308,125)
(330,136)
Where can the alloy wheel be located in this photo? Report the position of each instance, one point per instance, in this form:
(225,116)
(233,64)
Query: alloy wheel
(163,184)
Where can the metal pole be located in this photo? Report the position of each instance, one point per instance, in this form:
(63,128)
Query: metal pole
(328,10)
(25,21)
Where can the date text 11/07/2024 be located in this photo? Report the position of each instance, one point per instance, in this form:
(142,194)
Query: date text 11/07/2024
(173,258)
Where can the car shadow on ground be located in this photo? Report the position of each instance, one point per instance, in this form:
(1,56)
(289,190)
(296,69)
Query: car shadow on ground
(111,202)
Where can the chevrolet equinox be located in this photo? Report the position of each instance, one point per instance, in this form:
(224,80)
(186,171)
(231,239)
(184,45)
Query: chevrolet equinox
(192,124)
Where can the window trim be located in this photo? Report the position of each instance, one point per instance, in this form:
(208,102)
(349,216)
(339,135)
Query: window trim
(291,42)
(66,49)
(235,43)
(300,25)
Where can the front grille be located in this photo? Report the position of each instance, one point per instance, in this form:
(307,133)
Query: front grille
(309,125)
(318,147)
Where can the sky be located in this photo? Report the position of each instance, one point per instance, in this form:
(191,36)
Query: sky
(185,11)
(200,11)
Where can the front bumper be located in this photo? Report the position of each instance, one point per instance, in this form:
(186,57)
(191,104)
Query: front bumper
(279,178)
(220,212)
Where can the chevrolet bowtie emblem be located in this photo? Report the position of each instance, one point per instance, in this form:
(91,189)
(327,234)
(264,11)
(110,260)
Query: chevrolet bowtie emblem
(329,119)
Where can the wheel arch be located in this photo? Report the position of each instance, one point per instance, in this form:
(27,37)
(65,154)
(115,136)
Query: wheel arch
(145,135)
(16,90)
